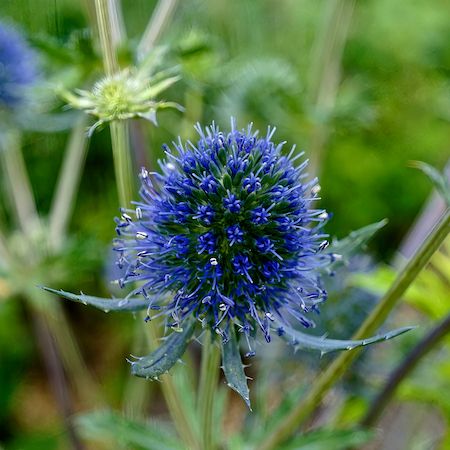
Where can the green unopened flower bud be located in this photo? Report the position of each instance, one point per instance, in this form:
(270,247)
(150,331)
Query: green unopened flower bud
(122,96)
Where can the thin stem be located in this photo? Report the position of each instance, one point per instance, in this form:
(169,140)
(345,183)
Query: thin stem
(120,141)
(69,179)
(53,315)
(336,369)
(159,19)
(325,73)
(209,376)
(123,166)
(18,183)
(171,395)
(57,377)
(404,369)
(104,21)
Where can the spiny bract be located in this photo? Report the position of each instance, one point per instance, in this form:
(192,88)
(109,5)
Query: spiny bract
(229,231)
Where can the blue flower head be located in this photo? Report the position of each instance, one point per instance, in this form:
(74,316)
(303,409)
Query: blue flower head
(227,233)
(18,69)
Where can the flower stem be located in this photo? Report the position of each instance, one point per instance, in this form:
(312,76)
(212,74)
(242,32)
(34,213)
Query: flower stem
(57,378)
(104,21)
(119,129)
(336,369)
(171,395)
(209,376)
(69,178)
(122,161)
(404,369)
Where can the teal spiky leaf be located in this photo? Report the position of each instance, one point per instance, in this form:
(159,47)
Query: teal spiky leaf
(344,248)
(166,355)
(439,180)
(105,304)
(234,369)
(324,345)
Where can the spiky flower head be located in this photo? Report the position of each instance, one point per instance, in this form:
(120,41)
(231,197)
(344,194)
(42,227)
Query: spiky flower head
(227,233)
(18,68)
(127,94)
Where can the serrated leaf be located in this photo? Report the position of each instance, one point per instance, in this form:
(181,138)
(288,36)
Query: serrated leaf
(439,180)
(234,369)
(111,426)
(302,340)
(166,355)
(105,304)
(354,241)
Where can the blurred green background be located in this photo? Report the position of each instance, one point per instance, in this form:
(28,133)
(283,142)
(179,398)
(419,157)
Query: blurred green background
(362,87)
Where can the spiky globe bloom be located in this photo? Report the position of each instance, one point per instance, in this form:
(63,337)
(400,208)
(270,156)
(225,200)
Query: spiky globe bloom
(227,233)
(17,67)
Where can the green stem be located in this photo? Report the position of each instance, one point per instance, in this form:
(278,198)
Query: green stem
(120,141)
(104,21)
(55,319)
(68,181)
(427,344)
(18,183)
(325,74)
(172,397)
(209,376)
(337,368)
(161,16)
(123,166)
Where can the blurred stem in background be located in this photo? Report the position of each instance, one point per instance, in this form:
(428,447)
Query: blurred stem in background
(125,176)
(161,16)
(325,74)
(428,343)
(336,369)
(64,199)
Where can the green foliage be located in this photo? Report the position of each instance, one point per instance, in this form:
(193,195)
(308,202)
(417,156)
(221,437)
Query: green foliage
(354,242)
(120,431)
(234,369)
(439,180)
(105,304)
(305,341)
(167,354)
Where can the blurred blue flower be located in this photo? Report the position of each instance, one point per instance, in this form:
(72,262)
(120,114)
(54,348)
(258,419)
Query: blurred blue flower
(227,233)
(18,67)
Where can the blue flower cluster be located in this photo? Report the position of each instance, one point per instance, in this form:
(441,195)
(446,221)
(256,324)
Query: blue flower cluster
(226,233)
(17,67)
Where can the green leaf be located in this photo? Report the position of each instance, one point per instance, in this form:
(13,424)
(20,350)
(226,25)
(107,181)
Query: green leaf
(324,345)
(354,241)
(439,180)
(111,426)
(105,304)
(329,439)
(155,89)
(234,369)
(165,356)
